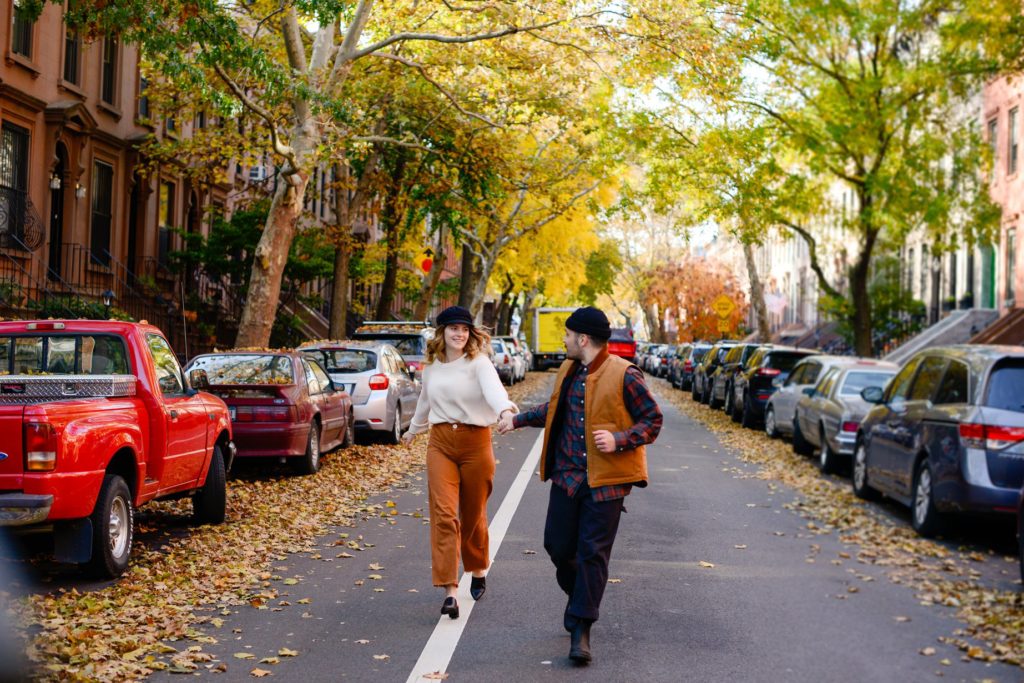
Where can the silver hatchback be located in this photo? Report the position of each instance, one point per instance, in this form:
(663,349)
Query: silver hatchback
(384,389)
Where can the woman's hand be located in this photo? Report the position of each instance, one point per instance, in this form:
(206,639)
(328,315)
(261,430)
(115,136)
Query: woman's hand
(408,437)
(505,423)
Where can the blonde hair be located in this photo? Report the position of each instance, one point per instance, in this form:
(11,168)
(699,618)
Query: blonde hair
(478,342)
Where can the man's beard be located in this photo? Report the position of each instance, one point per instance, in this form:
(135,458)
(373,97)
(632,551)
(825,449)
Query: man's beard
(573,352)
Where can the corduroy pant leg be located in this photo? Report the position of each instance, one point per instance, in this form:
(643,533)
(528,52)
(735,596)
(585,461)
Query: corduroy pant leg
(476,472)
(443,488)
(598,525)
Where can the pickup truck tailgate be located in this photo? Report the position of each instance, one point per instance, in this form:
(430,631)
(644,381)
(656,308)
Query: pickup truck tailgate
(11,457)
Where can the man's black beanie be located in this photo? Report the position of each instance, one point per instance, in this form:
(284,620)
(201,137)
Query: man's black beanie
(590,321)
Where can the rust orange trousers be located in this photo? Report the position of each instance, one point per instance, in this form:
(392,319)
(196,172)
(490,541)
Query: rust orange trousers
(460,477)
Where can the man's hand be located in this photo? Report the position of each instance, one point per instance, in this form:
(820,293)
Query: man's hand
(505,423)
(605,440)
(408,437)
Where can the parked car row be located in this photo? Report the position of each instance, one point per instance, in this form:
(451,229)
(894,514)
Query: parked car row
(942,434)
(88,407)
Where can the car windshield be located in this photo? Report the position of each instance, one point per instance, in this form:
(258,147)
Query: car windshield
(700,352)
(1004,386)
(345,360)
(497,346)
(407,345)
(784,361)
(76,354)
(857,381)
(246,369)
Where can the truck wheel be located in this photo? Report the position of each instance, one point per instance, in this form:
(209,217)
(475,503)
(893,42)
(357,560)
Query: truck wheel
(310,462)
(209,504)
(350,431)
(113,521)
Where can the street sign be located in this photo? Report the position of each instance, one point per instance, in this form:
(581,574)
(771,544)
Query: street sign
(723,306)
(724,325)
(425,261)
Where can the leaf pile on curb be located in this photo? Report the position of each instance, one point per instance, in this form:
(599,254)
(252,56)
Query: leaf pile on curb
(938,575)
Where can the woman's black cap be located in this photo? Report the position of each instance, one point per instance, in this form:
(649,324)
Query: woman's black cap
(590,321)
(454,315)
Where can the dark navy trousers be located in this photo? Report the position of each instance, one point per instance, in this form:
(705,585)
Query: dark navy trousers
(578,536)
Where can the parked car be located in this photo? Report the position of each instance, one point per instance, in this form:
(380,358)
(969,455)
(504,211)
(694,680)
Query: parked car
(384,389)
(519,358)
(622,344)
(946,434)
(96,419)
(643,350)
(767,369)
(1020,531)
(708,366)
(282,405)
(409,337)
(689,364)
(504,361)
(722,385)
(778,412)
(828,415)
(527,353)
(675,363)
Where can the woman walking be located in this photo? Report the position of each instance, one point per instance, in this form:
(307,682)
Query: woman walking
(462,397)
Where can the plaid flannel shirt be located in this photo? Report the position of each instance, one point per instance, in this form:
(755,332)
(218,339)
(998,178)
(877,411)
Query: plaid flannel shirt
(570,467)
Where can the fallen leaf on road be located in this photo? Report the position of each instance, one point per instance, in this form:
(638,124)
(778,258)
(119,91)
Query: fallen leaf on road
(270,660)
(928,651)
(902,619)
(614,580)
(706,565)
(290,582)
(740,547)
(376,567)
(244,655)
(436,676)
(381,657)
(285,652)
(362,642)
(260,673)
(529,552)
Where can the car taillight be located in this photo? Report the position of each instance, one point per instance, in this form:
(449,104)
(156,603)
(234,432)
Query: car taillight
(40,447)
(264,414)
(768,372)
(850,426)
(990,436)
(379,382)
(688,365)
(507,360)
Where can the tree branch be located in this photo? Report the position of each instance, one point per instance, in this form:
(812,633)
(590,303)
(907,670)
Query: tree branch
(812,248)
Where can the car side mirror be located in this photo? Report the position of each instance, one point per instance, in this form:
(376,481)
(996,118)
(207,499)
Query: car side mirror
(199,379)
(872,394)
(808,391)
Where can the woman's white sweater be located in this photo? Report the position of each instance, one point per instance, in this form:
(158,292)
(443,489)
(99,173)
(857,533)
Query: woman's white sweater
(464,391)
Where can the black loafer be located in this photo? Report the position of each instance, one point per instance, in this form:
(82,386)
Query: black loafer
(450,607)
(477,586)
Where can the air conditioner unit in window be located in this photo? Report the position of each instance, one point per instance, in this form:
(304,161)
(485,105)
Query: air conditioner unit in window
(257,174)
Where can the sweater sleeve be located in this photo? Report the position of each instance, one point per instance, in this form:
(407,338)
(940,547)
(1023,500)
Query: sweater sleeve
(420,421)
(492,388)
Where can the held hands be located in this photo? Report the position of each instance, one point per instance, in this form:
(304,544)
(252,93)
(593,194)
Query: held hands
(408,437)
(605,440)
(505,423)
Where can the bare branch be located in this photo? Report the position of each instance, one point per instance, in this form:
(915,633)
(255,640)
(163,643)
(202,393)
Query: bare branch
(280,147)
(812,248)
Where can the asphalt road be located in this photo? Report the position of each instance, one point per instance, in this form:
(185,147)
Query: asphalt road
(776,605)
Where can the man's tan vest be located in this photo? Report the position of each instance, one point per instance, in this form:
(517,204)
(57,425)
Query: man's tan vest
(603,409)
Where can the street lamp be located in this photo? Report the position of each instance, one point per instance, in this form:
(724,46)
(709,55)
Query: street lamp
(108,301)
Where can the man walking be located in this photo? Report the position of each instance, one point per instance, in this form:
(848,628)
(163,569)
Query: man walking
(599,417)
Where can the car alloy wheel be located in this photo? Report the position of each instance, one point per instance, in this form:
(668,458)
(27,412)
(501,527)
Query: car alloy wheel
(926,519)
(396,429)
(861,488)
(769,424)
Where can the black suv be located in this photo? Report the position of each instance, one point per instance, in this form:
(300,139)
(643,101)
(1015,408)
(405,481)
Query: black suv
(722,381)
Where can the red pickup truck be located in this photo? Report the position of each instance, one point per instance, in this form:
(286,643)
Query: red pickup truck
(97,418)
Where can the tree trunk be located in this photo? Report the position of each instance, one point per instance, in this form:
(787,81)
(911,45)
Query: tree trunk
(859,296)
(764,333)
(339,290)
(432,280)
(505,309)
(271,256)
(527,322)
(391,221)
(651,314)
(467,279)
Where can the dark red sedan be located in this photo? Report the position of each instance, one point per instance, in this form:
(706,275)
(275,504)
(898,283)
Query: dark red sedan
(282,404)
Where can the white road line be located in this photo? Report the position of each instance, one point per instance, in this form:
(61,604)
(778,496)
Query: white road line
(439,649)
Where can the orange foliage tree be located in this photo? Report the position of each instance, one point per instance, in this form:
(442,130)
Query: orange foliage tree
(684,291)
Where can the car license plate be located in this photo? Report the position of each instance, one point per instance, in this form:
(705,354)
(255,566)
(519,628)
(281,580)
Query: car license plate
(231,412)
